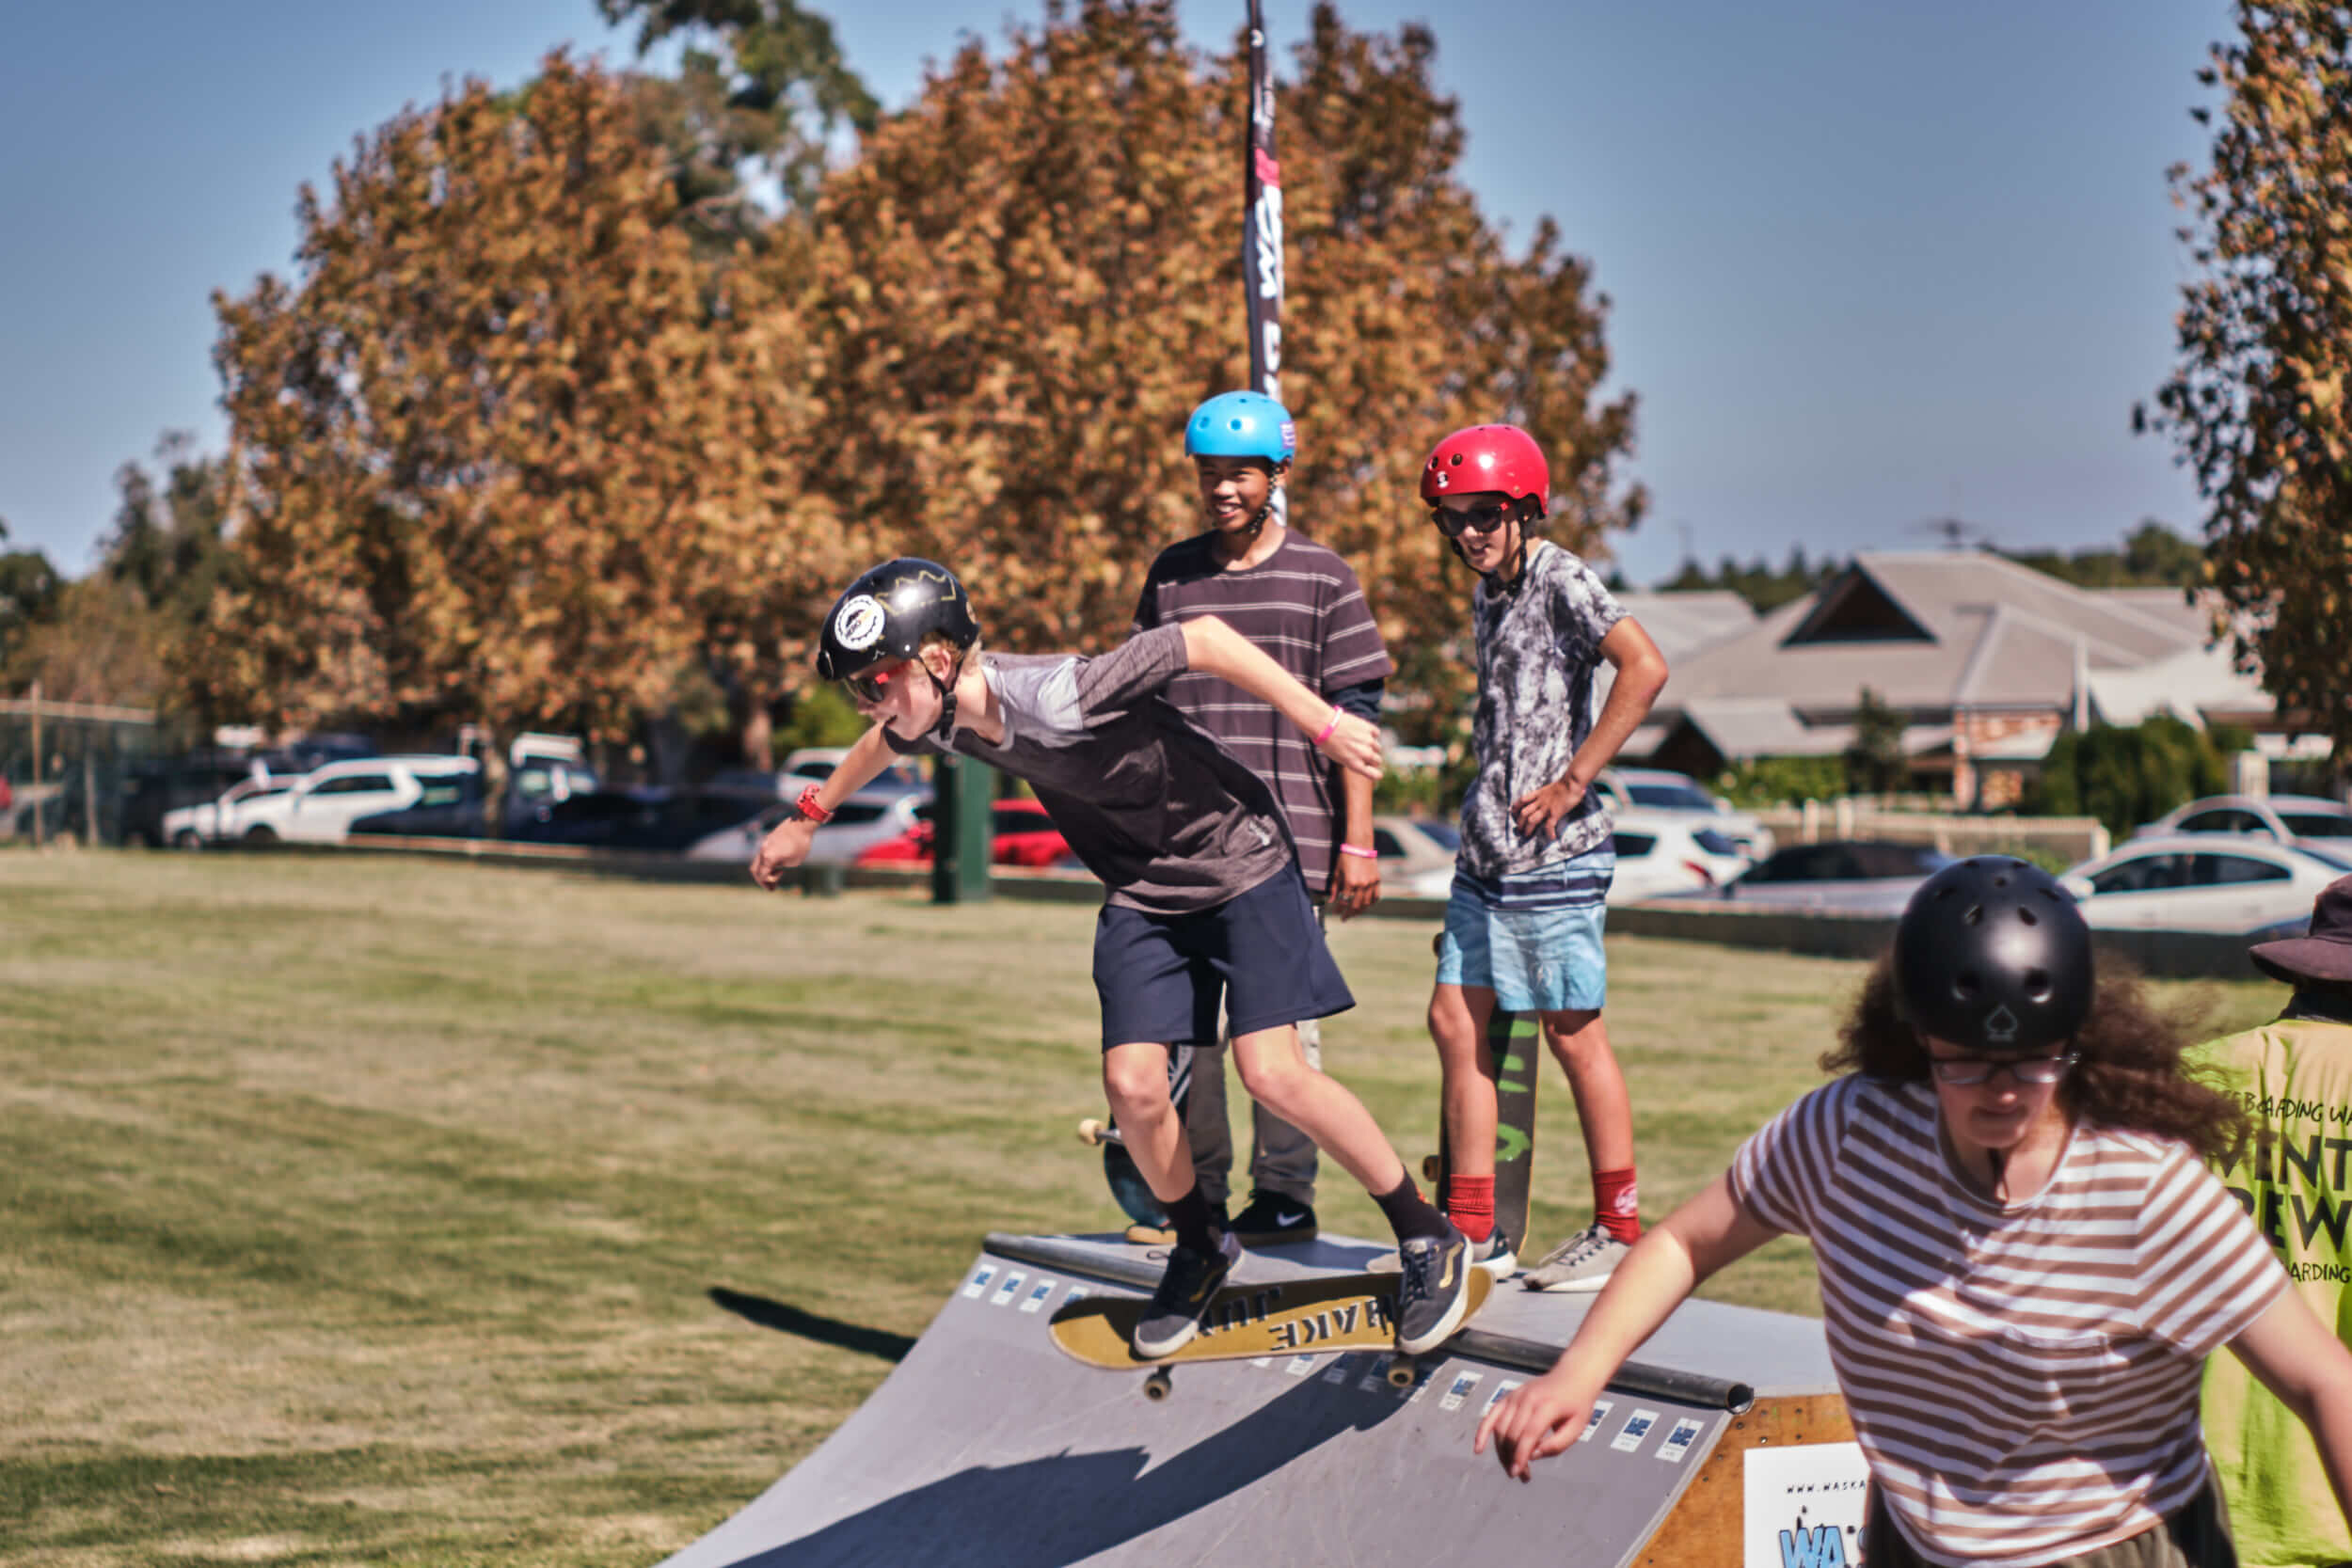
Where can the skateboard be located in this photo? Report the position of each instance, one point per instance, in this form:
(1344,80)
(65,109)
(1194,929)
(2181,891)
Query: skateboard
(1516,1040)
(1243,1321)
(1128,1188)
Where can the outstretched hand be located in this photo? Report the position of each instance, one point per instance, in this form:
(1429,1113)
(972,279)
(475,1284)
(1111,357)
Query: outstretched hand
(1533,1421)
(1353,743)
(785,847)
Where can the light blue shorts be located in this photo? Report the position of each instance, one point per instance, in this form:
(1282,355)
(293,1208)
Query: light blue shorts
(1546,958)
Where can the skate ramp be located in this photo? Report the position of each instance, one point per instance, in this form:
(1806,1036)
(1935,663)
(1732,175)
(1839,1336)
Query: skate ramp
(987,1445)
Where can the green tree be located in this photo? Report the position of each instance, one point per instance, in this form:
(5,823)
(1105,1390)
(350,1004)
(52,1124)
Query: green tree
(1765,589)
(2152,556)
(2125,777)
(2257,404)
(1875,764)
(1032,273)
(28,589)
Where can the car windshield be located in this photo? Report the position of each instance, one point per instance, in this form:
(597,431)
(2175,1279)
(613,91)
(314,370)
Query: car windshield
(1674,797)
(2317,824)
(2340,859)
(1443,833)
(1713,842)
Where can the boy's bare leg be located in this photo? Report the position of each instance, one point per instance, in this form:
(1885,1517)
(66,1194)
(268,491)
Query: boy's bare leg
(1274,1069)
(1581,1041)
(1459,1016)
(1134,1083)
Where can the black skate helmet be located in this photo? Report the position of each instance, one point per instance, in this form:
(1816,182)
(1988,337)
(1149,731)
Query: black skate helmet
(887,613)
(1992,956)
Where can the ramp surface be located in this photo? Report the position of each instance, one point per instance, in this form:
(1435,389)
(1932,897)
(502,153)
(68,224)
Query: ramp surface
(987,1445)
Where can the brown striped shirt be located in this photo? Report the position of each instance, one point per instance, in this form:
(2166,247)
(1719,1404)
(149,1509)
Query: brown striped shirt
(1304,609)
(2022,1376)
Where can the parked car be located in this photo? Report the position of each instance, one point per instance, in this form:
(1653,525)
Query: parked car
(1842,876)
(1663,852)
(1024,836)
(1415,855)
(216,821)
(1654,789)
(808,767)
(872,815)
(322,805)
(2288,818)
(2203,882)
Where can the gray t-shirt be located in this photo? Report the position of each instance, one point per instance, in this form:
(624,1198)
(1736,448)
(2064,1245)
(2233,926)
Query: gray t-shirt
(1168,820)
(1538,646)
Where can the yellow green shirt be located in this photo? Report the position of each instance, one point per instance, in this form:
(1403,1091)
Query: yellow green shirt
(2294,1077)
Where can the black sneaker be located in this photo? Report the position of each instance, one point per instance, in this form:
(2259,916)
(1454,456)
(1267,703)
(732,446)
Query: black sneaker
(1434,1291)
(1173,1315)
(1274,1220)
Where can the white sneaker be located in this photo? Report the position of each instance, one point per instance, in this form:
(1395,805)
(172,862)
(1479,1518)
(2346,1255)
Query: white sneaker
(1582,1262)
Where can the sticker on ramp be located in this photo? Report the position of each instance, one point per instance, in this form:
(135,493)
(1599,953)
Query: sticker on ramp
(1300,1366)
(1636,1429)
(1679,1440)
(1376,1379)
(1338,1373)
(1463,1384)
(1038,1297)
(1591,1424)
(1502,1389)
(1004,1291)
(980,1281)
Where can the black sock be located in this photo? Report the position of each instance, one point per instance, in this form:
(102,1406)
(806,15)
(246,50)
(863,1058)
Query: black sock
(1410,1214)
(1195,1221)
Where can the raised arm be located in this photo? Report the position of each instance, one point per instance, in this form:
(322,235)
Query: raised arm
(1542,1417)
(1217,649)
(787,843)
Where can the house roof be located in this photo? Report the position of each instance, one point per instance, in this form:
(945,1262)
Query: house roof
(2190,684)
(1682,624)
(1933,631)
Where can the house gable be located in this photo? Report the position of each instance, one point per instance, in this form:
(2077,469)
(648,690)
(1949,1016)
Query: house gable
(1857,609)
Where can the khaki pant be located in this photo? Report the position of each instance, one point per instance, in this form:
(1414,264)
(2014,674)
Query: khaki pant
(2196,1537)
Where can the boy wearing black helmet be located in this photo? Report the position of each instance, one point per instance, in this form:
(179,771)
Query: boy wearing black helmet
(2023,1261)
(1205,903)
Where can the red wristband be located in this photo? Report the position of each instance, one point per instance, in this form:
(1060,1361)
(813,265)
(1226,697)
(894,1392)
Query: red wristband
(1328,728)
(808,808)
(1360,851)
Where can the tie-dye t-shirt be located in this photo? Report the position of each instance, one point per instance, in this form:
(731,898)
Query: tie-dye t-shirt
(1538,647)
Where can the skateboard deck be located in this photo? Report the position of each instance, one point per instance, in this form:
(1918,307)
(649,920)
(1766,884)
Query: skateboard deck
(1516,1040)
(1128,1188)
(1243,1321)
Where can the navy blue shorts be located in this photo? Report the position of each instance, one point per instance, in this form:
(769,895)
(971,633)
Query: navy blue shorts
(1161,976)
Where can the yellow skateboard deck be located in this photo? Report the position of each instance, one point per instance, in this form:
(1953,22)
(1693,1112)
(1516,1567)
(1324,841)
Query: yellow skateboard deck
(1243,1321)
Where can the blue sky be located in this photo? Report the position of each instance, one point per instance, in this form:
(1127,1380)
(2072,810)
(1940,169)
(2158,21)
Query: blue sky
(1870,263)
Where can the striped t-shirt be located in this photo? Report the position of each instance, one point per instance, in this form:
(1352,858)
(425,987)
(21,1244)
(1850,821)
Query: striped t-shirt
(1304,609)
(2023,1377)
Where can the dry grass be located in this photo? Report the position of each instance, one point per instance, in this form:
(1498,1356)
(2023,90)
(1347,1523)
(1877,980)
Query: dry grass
(389,1212)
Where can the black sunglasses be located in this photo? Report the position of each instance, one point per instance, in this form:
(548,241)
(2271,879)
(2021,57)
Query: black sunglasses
(874,685)
(1979,1070)
(1485,518)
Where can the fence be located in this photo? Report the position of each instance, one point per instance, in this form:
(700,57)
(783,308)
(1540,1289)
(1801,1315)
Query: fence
(66,767)
(2065,839)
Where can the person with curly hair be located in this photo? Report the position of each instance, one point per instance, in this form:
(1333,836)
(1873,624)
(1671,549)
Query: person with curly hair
(2023,1260)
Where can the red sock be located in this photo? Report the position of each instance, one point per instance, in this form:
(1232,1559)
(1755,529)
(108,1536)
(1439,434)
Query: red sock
(1469,1203)
(1616,1203)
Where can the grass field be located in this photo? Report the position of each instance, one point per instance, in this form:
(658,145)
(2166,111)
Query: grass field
(389,1211)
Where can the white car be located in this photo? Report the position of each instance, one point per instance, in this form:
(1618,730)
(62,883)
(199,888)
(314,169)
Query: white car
(1663,852)
(214,821)
(2203,883)
(322,806)
(1416,856)
(2288,818)
(1653,790)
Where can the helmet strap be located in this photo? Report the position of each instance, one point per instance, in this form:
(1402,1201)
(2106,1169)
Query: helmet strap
(943,731)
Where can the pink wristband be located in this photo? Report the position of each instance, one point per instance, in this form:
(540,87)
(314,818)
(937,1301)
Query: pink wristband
(1360,851)
(1329,727)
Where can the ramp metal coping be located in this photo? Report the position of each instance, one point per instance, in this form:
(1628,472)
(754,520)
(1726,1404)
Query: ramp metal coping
(1504,1350)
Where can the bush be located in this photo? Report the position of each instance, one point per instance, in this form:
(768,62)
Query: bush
(2125,777)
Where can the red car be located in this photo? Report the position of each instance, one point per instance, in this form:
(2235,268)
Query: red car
(1025,837)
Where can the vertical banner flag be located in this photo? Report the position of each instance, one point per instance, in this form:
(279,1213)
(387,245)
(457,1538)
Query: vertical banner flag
(1262,233)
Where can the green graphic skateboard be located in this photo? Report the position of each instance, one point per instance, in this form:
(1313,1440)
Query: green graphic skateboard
(1516,1040)
(1300,1317)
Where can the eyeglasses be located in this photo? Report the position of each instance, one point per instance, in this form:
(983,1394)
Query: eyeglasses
(1979,1070)
(1485,518)
(873,684)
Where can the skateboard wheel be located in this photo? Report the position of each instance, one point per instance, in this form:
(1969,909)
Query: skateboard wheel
(1090,1131)
(1431,1167)
(1158,1385)
(1404,1371)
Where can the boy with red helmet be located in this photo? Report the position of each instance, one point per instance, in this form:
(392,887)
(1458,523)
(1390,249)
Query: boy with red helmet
(1523,923)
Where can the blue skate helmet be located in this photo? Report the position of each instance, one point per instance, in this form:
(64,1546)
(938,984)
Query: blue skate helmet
(1241,424)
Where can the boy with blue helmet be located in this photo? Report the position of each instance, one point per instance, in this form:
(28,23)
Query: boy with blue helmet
(1300,603)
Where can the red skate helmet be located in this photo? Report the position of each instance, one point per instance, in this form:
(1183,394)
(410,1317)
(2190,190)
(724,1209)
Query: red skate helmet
(1498,457)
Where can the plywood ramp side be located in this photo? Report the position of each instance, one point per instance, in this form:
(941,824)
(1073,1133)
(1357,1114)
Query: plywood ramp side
(1706,1528)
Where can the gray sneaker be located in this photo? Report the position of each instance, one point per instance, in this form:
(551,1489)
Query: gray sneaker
(1496,1255)
(1434,1291)
(1582,1262)
(1173,1315)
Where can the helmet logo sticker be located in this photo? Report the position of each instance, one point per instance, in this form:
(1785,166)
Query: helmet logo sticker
(2000,1025)
(859,625)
